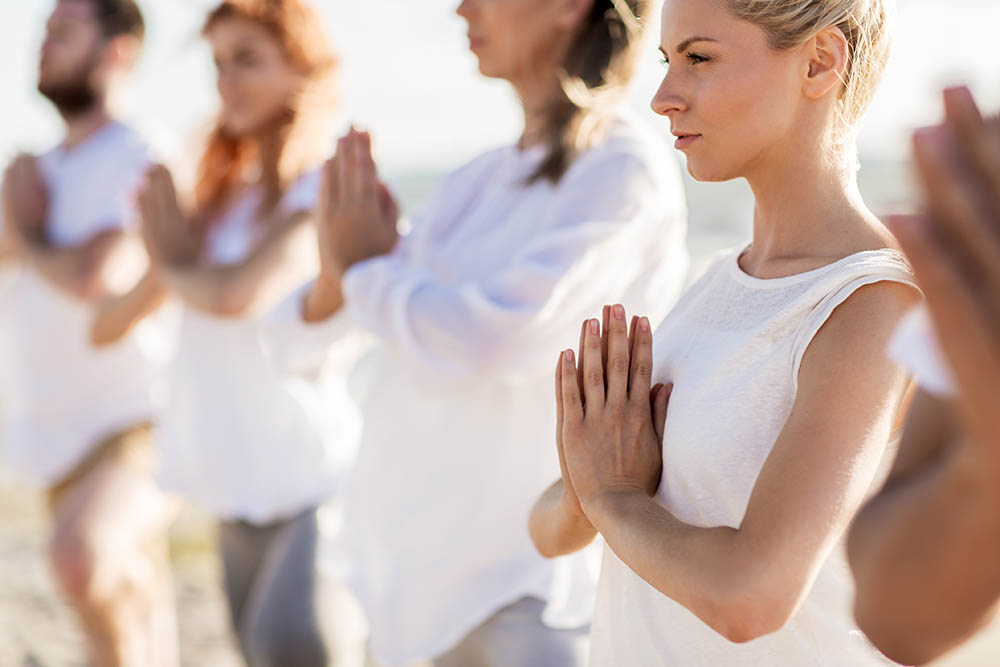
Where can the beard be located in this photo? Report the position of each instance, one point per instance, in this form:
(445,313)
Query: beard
(70,99)
(75,95)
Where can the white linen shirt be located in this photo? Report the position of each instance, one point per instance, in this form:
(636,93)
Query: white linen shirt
(471,311)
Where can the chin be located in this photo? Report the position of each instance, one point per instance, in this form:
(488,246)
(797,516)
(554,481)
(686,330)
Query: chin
(237,127)
(704,172)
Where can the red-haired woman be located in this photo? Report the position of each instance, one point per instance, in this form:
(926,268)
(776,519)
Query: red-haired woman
(253,448)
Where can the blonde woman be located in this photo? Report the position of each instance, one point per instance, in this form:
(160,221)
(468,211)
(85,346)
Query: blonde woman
(724,523)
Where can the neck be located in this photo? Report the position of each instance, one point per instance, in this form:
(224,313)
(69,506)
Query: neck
(536,94)
(807,205)
(81,126)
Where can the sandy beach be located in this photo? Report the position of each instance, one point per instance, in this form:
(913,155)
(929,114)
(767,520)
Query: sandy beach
(38,630)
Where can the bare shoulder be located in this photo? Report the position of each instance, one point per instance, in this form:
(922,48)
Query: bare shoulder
(857,333)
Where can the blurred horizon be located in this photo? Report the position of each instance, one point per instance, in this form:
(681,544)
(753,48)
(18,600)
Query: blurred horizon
(409,77)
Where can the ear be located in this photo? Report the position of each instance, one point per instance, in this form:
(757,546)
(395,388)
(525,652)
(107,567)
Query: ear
(572,12)
(122,52)
(828,55)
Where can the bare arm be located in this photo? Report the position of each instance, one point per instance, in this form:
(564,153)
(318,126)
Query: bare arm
(747,582)
(81,271)
(255,284)
(930,524)
(926,550)
(118,315)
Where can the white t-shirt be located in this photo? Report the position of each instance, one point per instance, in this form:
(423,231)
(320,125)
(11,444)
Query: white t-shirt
(238,438)
(66,395)
(732,347)
(471,311)
(916,348)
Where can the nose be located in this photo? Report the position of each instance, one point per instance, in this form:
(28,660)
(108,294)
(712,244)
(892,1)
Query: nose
(464,9)
(668,98)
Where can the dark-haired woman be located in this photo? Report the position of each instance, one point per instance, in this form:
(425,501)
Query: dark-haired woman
(498,269)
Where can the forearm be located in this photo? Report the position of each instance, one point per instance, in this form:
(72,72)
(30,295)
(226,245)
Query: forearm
(554,529)
(323,300)
(224,291)
(117,317)
(78,270)
(713,572)
(939,526)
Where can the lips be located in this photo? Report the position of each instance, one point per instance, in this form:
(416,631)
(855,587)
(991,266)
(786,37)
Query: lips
(475,43)
(684,140)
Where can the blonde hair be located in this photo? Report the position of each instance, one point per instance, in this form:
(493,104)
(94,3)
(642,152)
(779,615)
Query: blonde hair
(596,71)
(226,158)
(864,23)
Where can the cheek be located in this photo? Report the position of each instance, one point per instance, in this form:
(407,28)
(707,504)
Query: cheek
(265,91)
(744,114)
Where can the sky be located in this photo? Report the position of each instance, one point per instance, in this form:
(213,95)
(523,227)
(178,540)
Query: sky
(409,78)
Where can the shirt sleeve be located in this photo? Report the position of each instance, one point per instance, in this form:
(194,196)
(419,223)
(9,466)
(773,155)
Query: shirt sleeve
(297,347)
(511,325)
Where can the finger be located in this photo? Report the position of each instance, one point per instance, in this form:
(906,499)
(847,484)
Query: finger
(661,399)
(331,184)
(618,357)
(368,178)
(344,184)
(593,371)
(960,222)
(979,144)
(571,397)
(642,361)
(582,354)
(605,325)
(388,205)
(559,408)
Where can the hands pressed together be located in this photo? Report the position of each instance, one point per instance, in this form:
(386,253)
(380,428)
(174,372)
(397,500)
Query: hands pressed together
(25,199)
(610,420)
(357,215)
(955,251)
(166,231)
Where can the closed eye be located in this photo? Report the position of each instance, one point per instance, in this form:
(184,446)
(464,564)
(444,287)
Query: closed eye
(695,59)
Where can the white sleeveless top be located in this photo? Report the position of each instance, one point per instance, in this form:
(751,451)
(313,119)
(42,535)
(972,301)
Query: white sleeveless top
(66,396)
(733,346)
(239,439)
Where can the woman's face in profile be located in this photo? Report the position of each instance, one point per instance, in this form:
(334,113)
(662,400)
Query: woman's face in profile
(517,38)
(256,82)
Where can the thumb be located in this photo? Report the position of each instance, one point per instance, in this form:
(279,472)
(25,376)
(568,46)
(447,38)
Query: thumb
(660,398)
(388,203)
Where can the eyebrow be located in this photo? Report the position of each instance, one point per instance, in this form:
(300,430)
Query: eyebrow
(688,42)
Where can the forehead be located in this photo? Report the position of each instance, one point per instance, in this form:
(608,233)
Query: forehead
(239,32)
(74,11)
(684,19)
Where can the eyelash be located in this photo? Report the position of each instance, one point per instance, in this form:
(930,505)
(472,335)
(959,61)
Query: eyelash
(693,58)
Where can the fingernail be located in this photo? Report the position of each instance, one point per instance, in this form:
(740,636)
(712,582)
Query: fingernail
(569,356)
(619,312)
(595,327)
(644,324)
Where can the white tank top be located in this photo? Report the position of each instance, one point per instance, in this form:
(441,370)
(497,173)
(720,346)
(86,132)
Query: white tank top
(733,346)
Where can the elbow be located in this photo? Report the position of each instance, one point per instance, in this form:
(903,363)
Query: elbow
(742,611)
